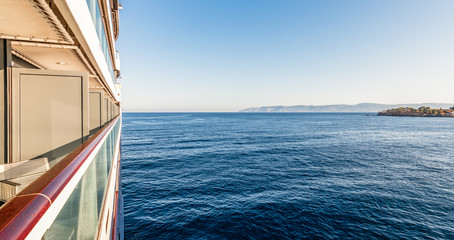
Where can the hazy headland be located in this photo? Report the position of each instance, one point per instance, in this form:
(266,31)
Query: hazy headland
(361,107)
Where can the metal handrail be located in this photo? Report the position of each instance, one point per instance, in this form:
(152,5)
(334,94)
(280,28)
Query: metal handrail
(19,215)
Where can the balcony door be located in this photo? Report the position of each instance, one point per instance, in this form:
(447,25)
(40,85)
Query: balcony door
(49,113)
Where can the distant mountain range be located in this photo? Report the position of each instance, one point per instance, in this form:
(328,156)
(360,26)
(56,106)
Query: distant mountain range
(361,107)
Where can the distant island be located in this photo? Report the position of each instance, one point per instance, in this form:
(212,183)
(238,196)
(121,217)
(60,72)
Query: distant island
(361,107)
(422,111)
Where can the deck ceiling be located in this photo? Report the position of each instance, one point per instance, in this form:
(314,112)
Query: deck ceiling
(51,57)
(94,83)
(29,20)
(40,38)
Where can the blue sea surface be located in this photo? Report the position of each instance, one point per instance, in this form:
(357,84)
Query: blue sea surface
(287,176)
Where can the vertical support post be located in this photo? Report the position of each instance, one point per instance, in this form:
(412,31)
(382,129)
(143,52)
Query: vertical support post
(5,64)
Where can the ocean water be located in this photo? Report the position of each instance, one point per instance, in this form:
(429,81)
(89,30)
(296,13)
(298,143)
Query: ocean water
(287,176)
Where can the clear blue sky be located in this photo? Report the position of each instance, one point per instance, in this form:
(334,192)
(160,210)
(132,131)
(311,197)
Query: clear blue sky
(207,55)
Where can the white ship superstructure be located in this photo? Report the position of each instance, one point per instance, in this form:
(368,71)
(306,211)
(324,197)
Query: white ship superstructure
(60,120)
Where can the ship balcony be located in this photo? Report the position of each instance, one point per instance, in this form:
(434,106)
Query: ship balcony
(60,119)
(61,156)
(77,198)
(76,35)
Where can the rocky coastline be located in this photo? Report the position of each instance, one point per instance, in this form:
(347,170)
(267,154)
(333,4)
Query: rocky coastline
(418,112)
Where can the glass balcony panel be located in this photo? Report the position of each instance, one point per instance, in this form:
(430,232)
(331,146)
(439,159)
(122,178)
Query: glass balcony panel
(102,174)
(100,31)
(79,217)
(65,227)
(92,7)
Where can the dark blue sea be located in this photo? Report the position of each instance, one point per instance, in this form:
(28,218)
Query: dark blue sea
(287,176)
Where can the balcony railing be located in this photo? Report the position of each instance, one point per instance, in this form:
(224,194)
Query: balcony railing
(93,6)
(72,199)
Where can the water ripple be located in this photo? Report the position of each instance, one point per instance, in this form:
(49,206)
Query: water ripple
(287,176)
